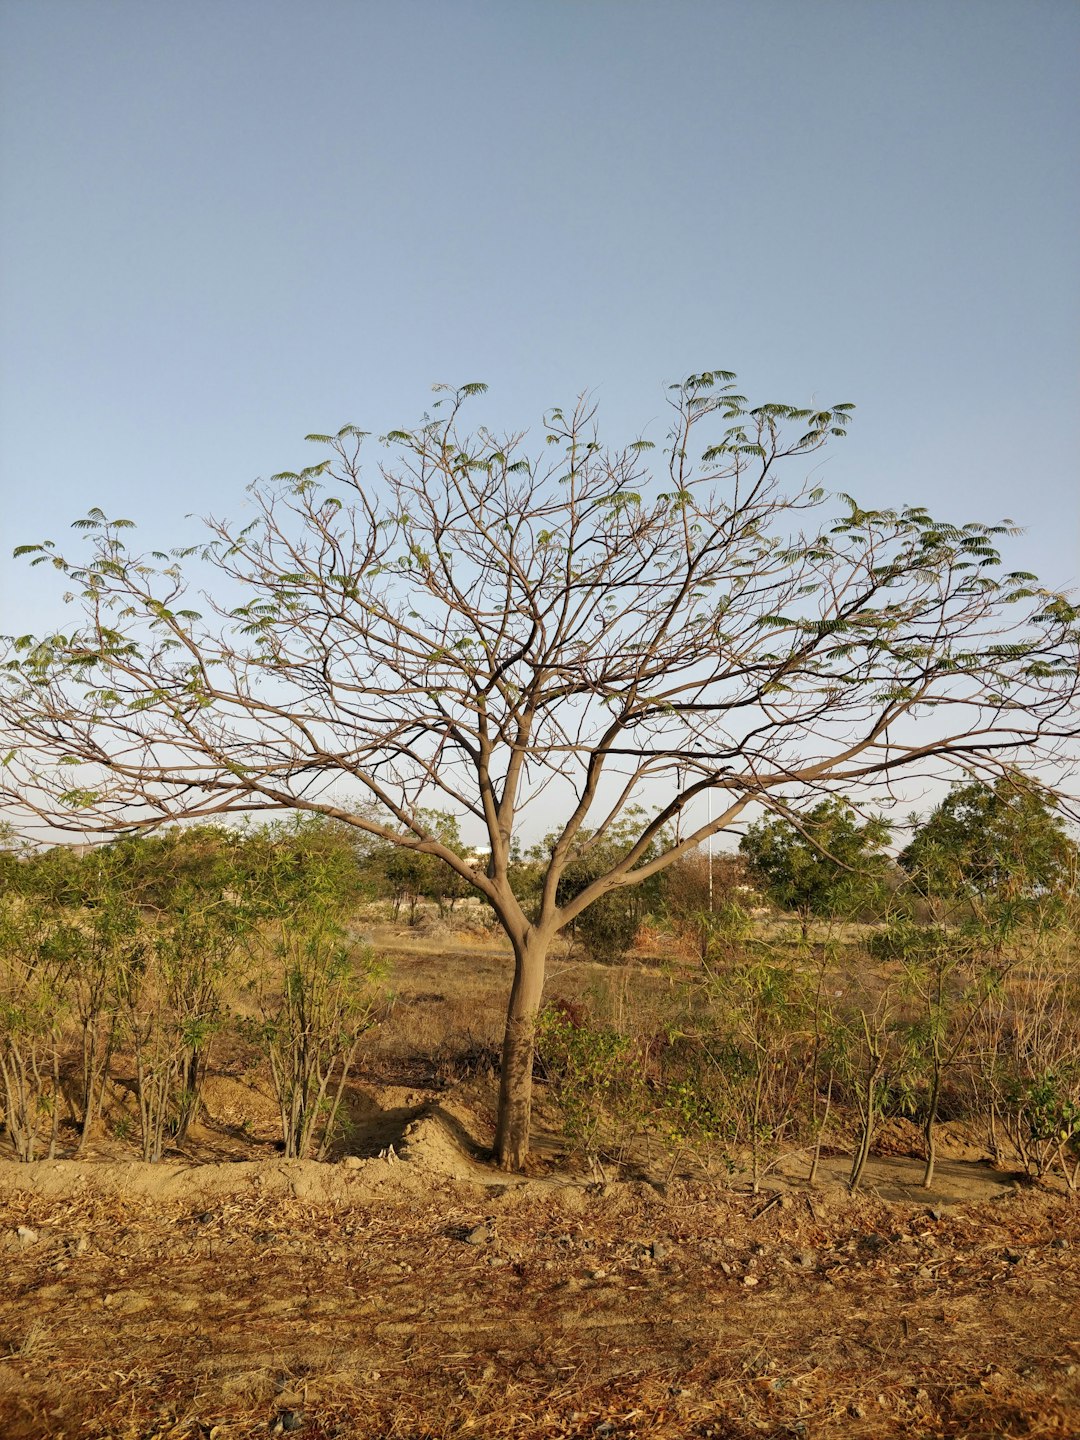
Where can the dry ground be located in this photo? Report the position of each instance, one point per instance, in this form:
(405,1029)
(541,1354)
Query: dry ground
(228,1293)
(425,1297)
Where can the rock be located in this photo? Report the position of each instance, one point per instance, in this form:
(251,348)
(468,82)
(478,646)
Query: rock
(26,1236)
(478,1235)
(751,1280)
(286,1421)
(806,1259)
(658,1250)
(351,1162)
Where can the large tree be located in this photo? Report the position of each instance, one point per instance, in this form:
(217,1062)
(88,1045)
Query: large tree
(822,863)
(578,629)
(1000,849)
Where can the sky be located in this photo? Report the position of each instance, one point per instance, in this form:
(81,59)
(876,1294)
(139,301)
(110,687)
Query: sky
(227,224)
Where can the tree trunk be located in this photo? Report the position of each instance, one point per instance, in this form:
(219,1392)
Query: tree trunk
(868,1105)
(519,1044)
(930,1132)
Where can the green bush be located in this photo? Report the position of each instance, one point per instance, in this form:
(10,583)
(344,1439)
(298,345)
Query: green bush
(596,1074)
(316,996)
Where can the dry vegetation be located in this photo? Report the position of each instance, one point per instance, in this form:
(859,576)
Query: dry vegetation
(369,1313)
(418,1294)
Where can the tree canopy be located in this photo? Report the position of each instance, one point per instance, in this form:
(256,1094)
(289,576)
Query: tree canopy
(1003,842)
(822,863)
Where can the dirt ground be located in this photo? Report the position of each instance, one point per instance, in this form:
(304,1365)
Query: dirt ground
(422,1295)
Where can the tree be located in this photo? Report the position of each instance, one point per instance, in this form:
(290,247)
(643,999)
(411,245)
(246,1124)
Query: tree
(706,900)
(573,630)
(999,849)
(409,875)
(823,863)
(993,857)
(608,928)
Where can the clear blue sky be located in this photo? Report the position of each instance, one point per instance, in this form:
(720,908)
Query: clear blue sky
(228,223)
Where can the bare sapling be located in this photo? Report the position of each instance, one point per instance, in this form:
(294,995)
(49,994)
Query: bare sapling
(33,1011)
(317,995)
(1042,1069)
(150,1032)
(826,1034)
(196,954)
(758,1005)
(100,942)
(950,980)
(173,1007)
(596,1072)
(869,1049)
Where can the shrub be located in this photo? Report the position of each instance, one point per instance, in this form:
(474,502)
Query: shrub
(316,996)
(596,1075)
(33,1007)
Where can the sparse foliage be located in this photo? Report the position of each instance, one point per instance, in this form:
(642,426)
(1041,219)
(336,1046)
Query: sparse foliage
(480,626)
(33,1005)
(317,995)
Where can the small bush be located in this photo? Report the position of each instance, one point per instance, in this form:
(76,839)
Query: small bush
(596,1075)
(316,996)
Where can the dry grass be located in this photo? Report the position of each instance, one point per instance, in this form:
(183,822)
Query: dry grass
(589,1311)
(813,1318)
